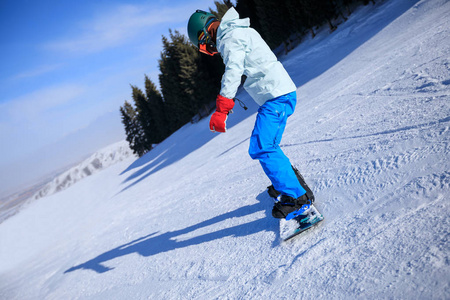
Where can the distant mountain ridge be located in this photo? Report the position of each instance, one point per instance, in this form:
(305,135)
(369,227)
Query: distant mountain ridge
(98,161)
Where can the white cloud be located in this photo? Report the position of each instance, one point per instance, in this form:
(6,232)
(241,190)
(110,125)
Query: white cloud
(115,28)
(41,70)
(36,103)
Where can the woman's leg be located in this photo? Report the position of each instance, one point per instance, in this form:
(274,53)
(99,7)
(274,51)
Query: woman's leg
(264,144)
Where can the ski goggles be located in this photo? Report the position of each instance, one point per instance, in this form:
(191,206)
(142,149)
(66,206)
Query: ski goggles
(205,42)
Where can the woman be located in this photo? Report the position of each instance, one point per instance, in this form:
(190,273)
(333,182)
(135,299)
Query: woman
(244,52)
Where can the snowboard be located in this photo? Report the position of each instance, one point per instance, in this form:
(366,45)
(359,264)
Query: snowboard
(293,227)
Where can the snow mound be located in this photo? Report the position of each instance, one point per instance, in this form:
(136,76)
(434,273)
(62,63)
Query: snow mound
(100,160)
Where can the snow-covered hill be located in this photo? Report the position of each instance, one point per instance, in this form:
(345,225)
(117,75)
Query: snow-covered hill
(62,179)
(191,219)
(96,162)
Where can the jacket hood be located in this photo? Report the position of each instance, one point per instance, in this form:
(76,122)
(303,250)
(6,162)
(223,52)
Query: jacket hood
(230,21)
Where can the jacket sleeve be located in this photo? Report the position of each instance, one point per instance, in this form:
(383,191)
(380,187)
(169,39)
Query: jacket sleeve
(233,54)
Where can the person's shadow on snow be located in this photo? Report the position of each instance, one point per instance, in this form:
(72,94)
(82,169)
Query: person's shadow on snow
(154,244)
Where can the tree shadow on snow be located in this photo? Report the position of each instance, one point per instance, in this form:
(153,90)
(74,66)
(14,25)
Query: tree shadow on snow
(154,243)
(180,144)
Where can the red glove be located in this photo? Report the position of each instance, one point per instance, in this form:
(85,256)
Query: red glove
(219,118)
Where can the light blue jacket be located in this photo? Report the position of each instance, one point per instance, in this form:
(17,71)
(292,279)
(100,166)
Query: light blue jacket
(244,52)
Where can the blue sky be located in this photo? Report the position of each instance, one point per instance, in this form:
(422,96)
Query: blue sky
(66,68)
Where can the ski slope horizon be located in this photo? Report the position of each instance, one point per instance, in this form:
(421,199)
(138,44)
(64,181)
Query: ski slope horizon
(191,219)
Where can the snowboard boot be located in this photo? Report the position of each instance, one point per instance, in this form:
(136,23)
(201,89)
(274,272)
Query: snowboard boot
(274,193)
(288,207)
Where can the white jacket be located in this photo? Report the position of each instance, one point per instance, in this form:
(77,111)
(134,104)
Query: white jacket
(245,52)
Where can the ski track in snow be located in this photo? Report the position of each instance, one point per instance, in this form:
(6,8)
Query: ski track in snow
(192,219)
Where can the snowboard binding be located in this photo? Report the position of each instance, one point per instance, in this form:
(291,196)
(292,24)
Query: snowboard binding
(287,207)
(274,193)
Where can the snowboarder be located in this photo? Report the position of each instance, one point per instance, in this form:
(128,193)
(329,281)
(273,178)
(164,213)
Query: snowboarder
(244,52)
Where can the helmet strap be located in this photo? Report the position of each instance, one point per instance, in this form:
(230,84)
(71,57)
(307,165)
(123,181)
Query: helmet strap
(207,43)
(207,49)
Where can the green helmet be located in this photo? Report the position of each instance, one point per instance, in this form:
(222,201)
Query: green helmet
(197,22)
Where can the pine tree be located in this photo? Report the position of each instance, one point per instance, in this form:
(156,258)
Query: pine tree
(177,79)
(326,12)
(247,9)
(143,116)
(317,12)
(274,20)
(133,130)
(159,124)
(297,16)
(221,8)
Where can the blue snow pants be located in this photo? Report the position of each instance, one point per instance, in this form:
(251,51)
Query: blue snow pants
(265,141)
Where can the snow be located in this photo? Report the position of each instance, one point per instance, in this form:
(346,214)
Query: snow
(191,219)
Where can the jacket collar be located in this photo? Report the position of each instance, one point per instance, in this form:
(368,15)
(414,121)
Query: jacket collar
(229,22)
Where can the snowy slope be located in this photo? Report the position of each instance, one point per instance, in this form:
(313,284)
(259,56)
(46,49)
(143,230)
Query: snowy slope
(191,219)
